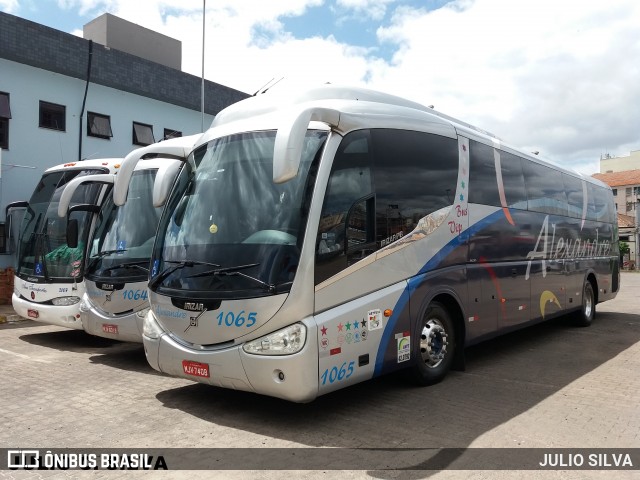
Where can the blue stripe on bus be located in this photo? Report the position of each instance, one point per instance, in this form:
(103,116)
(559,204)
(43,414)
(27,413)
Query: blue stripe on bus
(414,282)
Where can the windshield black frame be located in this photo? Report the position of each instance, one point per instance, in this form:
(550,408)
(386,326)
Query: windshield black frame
(253,228)
(43,254)
(122,241)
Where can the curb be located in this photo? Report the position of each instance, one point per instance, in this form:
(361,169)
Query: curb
(11,318)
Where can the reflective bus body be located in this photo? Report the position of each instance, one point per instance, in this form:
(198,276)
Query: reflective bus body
(49,280)
(346,234)
(117,272)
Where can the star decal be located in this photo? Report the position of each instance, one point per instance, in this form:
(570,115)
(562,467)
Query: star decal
(323,330)
(462,184)
(363,323)
(355,325)
(340,326)
(462,198)
(348,325)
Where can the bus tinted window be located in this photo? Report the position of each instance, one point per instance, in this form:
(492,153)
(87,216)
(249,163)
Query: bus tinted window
(573,191)
(415,175)
(483,188)
(591,202)
(349,181)
(545,189)
(602,203)
(484,183)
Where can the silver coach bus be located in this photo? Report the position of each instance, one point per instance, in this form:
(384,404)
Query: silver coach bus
(345,234)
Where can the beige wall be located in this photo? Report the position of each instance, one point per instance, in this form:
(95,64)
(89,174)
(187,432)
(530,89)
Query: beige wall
(620,164)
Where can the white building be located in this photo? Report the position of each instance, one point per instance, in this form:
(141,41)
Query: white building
(65,99)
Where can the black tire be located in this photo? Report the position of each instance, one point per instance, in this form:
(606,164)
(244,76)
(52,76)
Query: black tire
(435,347)
(584,317)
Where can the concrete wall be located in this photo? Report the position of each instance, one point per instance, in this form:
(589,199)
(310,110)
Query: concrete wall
(621,164)
(115,32)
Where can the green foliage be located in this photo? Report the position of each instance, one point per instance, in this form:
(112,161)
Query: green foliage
(624,247)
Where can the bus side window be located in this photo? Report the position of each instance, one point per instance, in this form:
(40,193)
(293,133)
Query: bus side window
(545,189)
(573,189)
(483,178)
(415,175)
(349,182)
(360,233)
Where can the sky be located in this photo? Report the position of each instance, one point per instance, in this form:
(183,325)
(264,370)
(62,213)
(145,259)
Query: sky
(560,77)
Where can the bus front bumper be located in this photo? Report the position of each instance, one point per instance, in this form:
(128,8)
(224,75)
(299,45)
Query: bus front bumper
(290,377)
(126,328)
(63,316)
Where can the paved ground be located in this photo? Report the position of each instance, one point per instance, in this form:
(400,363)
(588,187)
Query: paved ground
(551,385)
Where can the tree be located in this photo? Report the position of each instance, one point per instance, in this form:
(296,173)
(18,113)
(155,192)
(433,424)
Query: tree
(624,250)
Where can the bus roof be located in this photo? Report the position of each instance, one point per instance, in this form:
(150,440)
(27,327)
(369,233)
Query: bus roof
(109,164)
(271,111)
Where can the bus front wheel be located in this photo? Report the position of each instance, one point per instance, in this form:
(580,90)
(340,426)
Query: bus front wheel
(587,312)
(436,345)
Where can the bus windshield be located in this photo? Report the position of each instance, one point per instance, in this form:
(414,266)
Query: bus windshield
(228,231)
(44,253)
(123,239)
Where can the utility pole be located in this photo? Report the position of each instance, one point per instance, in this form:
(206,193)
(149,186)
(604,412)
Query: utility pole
(204,7)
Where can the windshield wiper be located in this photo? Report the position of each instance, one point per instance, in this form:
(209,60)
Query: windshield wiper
(234,271)
(128,265)
(178,264)
(104,253)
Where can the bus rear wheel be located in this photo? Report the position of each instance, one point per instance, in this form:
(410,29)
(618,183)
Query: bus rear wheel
(584,317)
(436,345)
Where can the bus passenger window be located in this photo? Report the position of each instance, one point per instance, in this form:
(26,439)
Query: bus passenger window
(415,175)
(349,182)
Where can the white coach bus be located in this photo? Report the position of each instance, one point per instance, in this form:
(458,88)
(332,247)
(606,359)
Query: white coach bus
(117,267)
(345,234)
(49,281)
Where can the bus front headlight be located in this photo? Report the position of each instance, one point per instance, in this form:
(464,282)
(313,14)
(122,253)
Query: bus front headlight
(150,327)
(65,301)
(287,341)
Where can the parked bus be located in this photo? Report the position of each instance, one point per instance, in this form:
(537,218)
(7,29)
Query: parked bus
(49,282)
(117,267)
(347,234)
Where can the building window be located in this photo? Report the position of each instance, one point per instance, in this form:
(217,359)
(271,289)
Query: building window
(99,125)
(5,115)
(143,134)
(169,133)
(53,116)
(615,191)
(628,191)
(3,238)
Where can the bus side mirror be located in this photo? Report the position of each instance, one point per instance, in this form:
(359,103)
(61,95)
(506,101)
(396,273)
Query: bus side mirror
(164,181)
(290,137)
(72,233)
(72,224)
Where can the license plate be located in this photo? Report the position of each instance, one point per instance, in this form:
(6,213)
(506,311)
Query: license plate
(196,369)
(33,313)
(108,328)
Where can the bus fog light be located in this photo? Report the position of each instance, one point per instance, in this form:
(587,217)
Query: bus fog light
(150,327)
(283,342)
(65,301)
